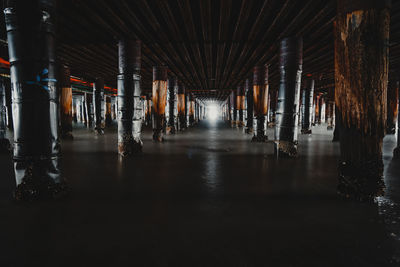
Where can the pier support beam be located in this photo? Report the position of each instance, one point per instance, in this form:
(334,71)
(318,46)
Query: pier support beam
(191,110)
(159,101)
(361,75)
(182,124)
(240,105)
(65,102)
(250,105)
(129,105)
(172,91)
(260,100)
(307,107)
(287,113)
(99,108)
(31,45)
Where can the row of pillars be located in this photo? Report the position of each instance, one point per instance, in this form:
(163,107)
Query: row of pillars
(43,108)
(360,105)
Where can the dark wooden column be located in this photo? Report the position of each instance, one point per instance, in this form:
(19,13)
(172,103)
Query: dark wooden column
(65,102)
(396,151)
(330,109)
(260,100)
(361,74)
(4,142)
(191,109)
(172,91)
(392,96)
(240,104)
(181,107)
(307,107)
(159,101)
(287,113)
(234,109)
(99,109)
(31,45)
(148,109)
(108,111)
(250,106)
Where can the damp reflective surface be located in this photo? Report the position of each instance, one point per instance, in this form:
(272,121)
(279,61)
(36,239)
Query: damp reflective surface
(205,197)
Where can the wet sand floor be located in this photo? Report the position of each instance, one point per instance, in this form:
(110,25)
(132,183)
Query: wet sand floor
(205,197)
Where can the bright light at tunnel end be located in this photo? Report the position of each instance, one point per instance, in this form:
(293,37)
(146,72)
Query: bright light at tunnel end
(213,111)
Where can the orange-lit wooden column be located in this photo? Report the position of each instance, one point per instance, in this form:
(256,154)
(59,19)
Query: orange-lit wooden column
(160,85)
(260,100)
(65,102)
(191,110)
(181,107)
(240,104)
(361,75)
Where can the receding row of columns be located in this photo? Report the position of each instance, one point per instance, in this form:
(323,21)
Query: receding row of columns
(362,110)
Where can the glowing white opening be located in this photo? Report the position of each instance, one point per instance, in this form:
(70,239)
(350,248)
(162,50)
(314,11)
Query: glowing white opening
(213,112)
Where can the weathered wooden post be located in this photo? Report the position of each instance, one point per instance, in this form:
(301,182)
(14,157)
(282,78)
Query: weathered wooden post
(361,75)
(172,91)
(250,106)
(31,45)
(159,101)
(240,104)
(65,102)
(99,112)
(191,110)
(287,113)
(108,111)
(181,106)
(260,100)
(307,107)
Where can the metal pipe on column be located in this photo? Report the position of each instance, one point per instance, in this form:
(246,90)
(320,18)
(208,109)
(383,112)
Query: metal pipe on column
(287,114)
(159,101)
(31,45)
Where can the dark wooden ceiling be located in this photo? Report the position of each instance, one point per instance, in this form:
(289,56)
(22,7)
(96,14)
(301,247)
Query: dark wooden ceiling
(210,45)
